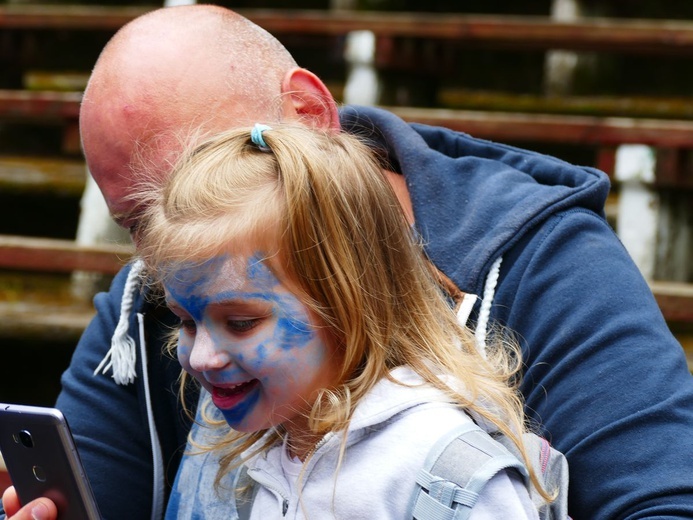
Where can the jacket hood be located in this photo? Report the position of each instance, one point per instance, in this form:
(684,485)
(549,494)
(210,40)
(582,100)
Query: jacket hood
(473,199)
(389,398)
(385,400)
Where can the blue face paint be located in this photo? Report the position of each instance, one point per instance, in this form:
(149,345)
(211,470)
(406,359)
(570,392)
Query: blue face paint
(293,333)
(253,346)
(235,416)
(260,273)
(260,353)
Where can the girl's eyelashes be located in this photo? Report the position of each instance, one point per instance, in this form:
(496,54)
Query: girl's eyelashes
(236,321)
(188,326)
(243,325)
(234,325)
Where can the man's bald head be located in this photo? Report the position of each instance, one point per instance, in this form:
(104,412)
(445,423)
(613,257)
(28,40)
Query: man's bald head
(174,75)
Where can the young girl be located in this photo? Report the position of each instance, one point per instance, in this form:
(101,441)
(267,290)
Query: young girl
(319,331)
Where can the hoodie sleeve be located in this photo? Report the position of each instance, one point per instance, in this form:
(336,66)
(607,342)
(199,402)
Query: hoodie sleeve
(605,376)
(106,419)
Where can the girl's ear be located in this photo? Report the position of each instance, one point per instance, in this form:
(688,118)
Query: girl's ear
(307,97)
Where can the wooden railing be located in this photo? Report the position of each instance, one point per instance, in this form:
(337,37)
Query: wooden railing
(60,256)
(670,135)
(64,106)
(632,36)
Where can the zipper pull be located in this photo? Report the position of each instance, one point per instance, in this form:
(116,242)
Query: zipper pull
(285,507)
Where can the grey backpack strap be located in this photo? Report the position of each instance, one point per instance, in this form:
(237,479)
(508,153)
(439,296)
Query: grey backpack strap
(455,472)
(551,468)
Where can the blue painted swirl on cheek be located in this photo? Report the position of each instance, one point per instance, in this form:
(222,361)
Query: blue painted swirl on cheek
(292,328)
(293,333)
(260,353)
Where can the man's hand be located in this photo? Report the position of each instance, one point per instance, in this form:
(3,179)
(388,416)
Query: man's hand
(39,509)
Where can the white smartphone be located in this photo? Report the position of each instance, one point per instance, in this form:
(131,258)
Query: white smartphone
(42,460)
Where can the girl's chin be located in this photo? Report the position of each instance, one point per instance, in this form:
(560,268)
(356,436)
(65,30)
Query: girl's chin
(252,424)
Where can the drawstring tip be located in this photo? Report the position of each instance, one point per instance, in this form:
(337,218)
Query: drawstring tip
(122,356)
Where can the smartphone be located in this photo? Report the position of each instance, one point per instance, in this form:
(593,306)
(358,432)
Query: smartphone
(42,460)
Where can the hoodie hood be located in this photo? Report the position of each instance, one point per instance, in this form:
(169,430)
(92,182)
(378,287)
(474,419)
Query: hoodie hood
(473,199)
(389,398)
(381,404)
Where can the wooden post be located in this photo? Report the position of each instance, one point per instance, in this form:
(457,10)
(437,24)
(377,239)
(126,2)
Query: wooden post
(560,65)
(362,86)
(638,205)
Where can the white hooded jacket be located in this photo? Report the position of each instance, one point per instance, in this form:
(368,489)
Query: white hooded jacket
(390,434)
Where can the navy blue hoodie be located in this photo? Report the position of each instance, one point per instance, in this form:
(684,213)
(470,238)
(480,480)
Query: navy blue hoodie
(604,375)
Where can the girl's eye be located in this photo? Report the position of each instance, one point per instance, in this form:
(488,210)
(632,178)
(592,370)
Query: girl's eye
(188,326)
(242,325)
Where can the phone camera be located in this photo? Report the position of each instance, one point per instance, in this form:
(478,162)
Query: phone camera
(24,437)
(39,473)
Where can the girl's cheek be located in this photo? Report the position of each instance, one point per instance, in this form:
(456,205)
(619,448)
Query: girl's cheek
(183,352)
(266,357)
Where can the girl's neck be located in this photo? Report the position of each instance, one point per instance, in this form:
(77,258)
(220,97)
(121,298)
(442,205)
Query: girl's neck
(301,441)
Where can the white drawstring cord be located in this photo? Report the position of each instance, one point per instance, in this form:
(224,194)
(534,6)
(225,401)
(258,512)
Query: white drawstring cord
(157,459)
(485,310)
(123,354)
(465,309)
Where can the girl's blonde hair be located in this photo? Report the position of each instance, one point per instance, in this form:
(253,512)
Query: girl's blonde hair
(318,206)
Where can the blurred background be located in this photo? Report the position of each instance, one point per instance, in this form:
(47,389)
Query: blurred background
(603,83)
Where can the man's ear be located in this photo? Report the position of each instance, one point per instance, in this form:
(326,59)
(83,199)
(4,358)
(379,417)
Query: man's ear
(307,98)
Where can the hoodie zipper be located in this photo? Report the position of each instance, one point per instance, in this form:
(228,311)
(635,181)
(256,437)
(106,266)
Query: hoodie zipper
(267,482)
(319,444)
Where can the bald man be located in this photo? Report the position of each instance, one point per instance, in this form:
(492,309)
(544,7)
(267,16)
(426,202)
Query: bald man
(521,234)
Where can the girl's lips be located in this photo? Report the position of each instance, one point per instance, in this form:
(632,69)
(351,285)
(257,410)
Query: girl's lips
(228,397)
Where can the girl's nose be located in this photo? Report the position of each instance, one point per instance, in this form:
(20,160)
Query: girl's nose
(206,354)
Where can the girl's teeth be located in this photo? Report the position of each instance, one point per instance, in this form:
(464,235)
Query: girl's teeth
(225,392)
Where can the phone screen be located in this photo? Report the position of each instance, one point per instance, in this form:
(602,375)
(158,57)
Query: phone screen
(42,460)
